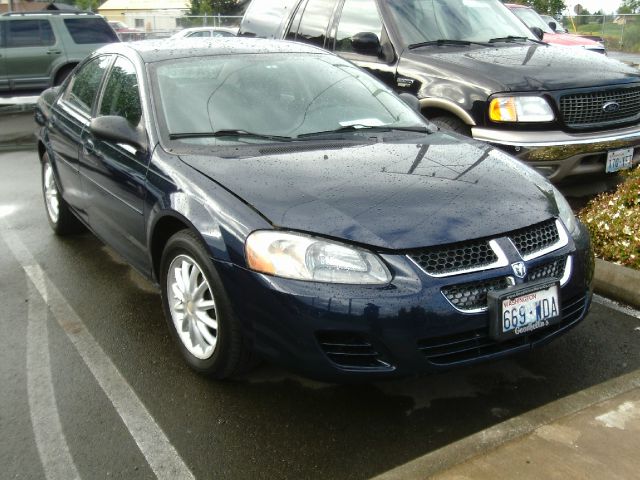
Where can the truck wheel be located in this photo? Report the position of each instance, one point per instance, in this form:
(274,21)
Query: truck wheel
(453,124)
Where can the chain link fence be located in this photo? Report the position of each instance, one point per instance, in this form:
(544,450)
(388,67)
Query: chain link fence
(140,26)
(620,33)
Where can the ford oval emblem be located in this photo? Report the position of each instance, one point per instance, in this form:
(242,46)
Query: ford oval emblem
(611,107)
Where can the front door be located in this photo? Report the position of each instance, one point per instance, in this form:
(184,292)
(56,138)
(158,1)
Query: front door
(114,174)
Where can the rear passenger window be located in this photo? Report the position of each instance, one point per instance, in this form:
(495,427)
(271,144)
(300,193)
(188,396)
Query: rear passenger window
(358,16)
(315,21)
(29,33)
(90,30)
(84,85)
(122,95)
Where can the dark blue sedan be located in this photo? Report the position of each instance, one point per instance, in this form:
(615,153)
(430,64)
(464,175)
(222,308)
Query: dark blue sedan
(293,208)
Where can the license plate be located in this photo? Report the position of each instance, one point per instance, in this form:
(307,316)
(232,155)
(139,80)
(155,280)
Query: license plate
(619,160)
(519,311)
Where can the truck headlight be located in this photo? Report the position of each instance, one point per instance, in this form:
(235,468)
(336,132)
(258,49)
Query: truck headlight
(303,257)
(520,109)
(565,212)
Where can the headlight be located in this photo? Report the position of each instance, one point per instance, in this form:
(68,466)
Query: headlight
(565,212)
(520,109)
(302,257)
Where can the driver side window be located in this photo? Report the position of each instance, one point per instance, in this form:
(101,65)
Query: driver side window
(358,16)
(122,95)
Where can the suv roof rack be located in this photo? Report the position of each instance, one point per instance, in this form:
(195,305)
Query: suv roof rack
(45,12)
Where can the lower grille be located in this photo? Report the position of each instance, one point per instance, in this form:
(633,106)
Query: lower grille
(475,344)
(351,350)
(472,297)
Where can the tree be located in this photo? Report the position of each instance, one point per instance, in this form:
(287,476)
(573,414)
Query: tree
(550,7)
(629,6)
(91,5)
(213,7)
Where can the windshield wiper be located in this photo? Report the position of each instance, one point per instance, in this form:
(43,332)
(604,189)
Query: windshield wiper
(355,128)
(512,38)
(444,41)
(226,133)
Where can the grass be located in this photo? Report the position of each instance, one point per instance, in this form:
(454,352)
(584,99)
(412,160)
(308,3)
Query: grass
(613,219)
(616,37)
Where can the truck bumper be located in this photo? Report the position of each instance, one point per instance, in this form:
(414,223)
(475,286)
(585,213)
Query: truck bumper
(558,154)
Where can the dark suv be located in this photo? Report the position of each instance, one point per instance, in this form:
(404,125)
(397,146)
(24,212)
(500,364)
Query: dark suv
(477,70)
(39,49)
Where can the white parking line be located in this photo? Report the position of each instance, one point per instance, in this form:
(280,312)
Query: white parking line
(162,457)
(616,306)
(57,462)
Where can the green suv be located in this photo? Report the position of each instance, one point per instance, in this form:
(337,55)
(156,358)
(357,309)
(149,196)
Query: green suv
(39,49)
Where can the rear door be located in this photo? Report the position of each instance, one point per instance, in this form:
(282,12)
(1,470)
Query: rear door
(114,174)
(70,116)
(32,50)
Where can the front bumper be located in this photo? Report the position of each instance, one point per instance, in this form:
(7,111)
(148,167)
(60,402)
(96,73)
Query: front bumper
(344,332)
(558,154)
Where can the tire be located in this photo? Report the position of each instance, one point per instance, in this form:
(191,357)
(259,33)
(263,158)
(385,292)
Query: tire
(62,75)
(198,311)
(59,215)
(453,124)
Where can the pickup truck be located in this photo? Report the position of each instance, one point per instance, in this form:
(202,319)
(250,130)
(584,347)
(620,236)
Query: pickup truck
(478,70)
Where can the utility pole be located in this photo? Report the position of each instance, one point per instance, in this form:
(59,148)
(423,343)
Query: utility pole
(11,5)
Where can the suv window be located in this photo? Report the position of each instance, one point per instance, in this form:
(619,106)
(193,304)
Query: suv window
(358,16)
(29,33)
(121,95)
(315,21)
(90,30)
(83,87)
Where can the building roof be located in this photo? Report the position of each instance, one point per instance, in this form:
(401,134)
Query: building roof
(145,5)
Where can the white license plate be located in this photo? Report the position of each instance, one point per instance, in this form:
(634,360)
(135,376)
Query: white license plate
(619,160)
(516,312)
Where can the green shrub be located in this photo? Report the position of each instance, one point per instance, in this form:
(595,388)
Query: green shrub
(613,219)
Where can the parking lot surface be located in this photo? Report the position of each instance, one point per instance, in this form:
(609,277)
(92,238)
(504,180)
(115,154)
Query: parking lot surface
(91,385)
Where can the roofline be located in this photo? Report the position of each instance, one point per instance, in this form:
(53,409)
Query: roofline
(46,12)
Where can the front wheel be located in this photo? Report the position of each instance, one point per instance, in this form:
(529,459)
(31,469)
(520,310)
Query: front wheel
(198,311)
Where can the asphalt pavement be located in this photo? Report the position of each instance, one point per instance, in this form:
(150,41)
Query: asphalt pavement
(91,385)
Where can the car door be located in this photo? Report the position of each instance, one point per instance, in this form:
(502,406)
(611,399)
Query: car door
(4,80)
(70,115)
(355,19)
(114,174)
(31,52)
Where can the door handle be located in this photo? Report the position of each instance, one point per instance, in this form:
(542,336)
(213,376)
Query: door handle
(54,52)
(88,147)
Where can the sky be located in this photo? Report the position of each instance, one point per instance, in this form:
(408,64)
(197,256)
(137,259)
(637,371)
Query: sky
(607,6)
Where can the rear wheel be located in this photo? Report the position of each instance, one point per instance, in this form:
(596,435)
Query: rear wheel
(198,311)
(61,219)
(454,124)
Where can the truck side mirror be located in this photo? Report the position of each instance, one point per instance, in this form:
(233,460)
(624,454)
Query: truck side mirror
(554,26)
(366,43)
(537,31)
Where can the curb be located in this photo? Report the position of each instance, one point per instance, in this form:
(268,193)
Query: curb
(617,282)
(459,452)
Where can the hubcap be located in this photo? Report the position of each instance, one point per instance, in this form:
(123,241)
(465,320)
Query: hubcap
(193,309)
(51,194)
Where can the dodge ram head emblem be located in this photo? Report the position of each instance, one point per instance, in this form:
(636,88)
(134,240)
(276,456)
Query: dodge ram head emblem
(611,107)
(519,269)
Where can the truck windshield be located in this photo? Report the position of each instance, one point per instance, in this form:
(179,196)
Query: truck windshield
(532,19)
(420,21)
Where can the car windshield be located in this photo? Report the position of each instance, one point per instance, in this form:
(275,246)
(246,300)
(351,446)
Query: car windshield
(420,21)
(532,19)
(256,96)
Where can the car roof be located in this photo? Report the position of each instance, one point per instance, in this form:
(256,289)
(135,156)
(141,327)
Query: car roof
(158,50)
(516,5)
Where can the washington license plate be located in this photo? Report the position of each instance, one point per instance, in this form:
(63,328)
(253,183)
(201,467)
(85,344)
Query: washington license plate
(516,312)
(619,160)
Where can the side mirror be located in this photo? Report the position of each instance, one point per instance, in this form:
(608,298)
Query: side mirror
(554,26)
(118,129)
(537,31)
(411,100)
(366,43)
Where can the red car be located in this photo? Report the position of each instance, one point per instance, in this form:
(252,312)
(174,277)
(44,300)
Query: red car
(126,33)
(532,19)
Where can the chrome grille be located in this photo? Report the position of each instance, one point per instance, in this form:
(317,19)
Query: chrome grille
(535,238)
(472,296)
(453,258)
(585,109)
(553,269)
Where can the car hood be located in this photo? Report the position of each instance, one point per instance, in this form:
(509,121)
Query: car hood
(569,40)
(520,67)
(434,190)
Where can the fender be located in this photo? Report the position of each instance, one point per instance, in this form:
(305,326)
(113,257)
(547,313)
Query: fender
(449,106)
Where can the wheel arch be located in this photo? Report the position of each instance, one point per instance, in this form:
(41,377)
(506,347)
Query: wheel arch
(433,107)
